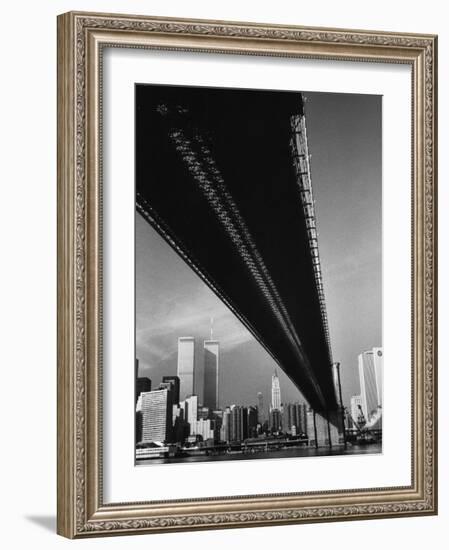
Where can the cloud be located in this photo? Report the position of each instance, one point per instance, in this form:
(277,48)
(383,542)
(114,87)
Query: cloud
(156,336)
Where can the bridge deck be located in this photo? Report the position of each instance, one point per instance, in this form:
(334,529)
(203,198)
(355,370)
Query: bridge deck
(218,175)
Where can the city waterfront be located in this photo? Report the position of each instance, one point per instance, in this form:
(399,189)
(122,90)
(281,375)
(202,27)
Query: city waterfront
(297,452)
(170,429)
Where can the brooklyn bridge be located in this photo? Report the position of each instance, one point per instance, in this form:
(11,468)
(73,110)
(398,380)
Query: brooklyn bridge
(224,176)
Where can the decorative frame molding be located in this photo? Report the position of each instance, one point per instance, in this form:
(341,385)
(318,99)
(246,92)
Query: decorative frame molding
(81,37)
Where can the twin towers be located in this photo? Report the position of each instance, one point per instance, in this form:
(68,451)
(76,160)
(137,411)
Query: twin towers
(186,369)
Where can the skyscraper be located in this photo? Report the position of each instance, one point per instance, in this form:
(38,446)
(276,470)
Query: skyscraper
(181,428)
(252,421)
(186,365)
(275,392)
(238,423)
(303,418)
(236,427)
(225,433)
(138,426)
(211,365)
(175,387)
(191,409)
(260,406)
(294,416)
(204,428)
(157,413)
(378,358)
(275,420)
(370,373)
(356,400)
(143,384)
(138,418)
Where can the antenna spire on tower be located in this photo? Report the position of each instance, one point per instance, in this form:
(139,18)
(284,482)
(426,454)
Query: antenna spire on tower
(211,328)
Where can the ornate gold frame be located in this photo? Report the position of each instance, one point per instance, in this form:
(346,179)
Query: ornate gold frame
(81,37)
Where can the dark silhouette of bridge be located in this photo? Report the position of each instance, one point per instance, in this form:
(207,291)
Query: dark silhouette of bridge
(224,177)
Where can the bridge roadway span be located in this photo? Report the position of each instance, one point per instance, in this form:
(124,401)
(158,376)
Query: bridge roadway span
(224,177)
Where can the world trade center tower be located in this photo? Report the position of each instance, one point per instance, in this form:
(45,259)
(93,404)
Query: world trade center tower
(211,363)
(186,363)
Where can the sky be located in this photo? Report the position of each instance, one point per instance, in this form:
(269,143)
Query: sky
(344,135)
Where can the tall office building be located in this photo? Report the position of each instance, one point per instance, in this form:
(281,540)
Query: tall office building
(289,417)
(294,418)
(303,408)
(225,432)
(190,406)
(253,420)
(356,400)
(336,375)
(138,419)
(348,422)
(138,426)
(217,416)
(275,420)
(211,373)
(204,412)
(175,387)
(181,428)
(235,429)
(157,414)
(238,423)
(143,384)
(140,383)
(370,373)
(378,357)
(260,406)
(275,392)
(244,415)
(186,366)
(204,428)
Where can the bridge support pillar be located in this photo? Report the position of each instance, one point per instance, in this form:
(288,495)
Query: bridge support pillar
(324,429)
(342,409)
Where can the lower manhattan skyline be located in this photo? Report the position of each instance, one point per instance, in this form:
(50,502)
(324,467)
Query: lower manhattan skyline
(174,422)
(197,372)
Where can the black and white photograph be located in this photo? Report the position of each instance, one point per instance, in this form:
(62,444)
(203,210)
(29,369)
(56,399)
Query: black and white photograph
(224,254)
(258,274)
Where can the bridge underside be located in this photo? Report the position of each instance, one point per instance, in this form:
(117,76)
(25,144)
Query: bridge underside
(215,176)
